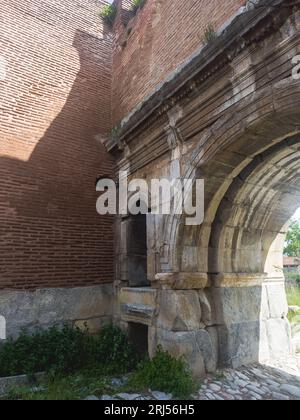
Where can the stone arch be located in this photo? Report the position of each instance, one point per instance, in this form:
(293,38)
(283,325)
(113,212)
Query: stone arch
(258,140)
(219,155)
(246,246)
(255,209)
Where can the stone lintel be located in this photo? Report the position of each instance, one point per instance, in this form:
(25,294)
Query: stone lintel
(138,304)
(140,314)
(238,279)
(181,281)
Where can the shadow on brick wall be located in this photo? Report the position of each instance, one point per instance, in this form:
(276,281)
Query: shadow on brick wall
(50,232)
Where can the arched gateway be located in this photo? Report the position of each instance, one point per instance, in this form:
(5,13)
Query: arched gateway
(231,116)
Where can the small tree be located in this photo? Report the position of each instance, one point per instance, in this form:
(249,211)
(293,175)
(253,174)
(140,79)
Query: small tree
(292,248)
(109,13)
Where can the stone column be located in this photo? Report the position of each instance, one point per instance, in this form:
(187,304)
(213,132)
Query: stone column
(185,319)
(251,318)
(275,329)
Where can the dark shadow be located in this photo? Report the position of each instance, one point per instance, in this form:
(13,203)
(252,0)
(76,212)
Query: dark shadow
(138,336)
(50,232)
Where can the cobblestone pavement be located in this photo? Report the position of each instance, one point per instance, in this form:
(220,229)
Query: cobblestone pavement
(280,381)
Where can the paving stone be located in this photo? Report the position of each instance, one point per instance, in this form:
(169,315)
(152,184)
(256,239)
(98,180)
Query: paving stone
(243,377)
(230,391)
(92,398)
(129,397)
(256,382)
(218,398)
(214,387)
(109,398)
(161,396)
(280,397)
(291,389)
(227,396)
(255,389)
(273,383)
(241,383)
(256,396)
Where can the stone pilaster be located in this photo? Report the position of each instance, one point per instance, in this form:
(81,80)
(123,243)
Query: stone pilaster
(251,318)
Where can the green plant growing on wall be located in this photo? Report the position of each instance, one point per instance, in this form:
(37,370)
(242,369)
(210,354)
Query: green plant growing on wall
(109,13)
(115,131)
(210,34)
(137,4)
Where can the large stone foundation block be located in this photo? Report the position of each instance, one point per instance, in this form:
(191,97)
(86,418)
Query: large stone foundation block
(274,301)
(239,344)
(236,305)
(279,338)
(196,347)
(44,308)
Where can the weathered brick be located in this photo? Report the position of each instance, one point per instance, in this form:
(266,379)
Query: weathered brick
(162,36)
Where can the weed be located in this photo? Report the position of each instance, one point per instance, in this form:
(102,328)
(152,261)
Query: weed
(109,13)
(164,373)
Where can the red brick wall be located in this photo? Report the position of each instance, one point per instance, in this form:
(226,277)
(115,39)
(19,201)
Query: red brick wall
(164,34)
(53,102)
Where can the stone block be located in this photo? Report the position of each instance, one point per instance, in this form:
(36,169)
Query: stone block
(237,304)
(277,301)
(181,281)
(179,310)
(138,304)
(239,344)
(196,347)
(264,348)
(47,307)
(279,338)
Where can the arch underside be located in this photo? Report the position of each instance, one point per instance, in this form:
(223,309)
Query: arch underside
(249,133)
(255,210)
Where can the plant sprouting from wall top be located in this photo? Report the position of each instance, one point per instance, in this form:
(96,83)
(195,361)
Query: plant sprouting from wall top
(115,131)
(137,4)
(109,13)
(210,34)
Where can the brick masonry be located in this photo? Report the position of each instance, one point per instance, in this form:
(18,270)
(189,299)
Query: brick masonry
(55,100)
(157,41)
